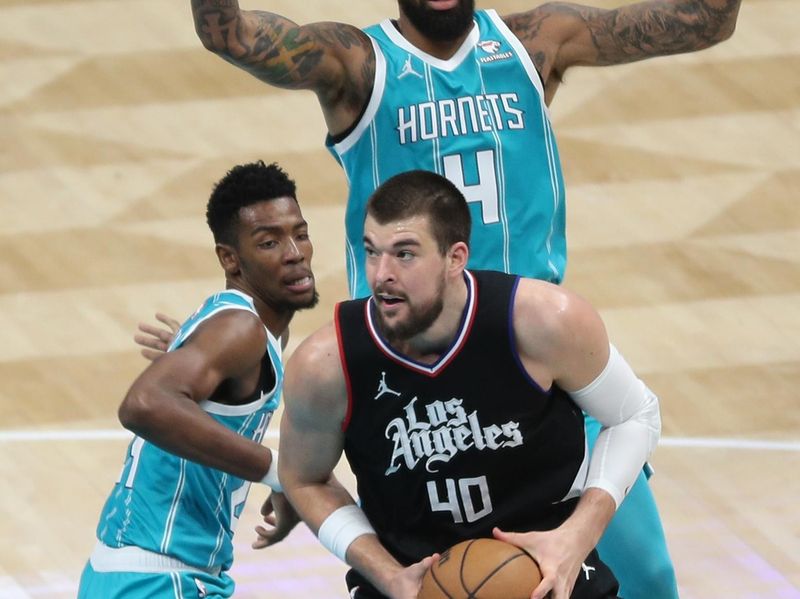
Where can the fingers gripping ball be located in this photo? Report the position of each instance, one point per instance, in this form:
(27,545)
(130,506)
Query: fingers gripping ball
(481,569)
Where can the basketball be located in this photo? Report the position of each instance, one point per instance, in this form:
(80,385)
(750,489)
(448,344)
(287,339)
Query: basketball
(481,569)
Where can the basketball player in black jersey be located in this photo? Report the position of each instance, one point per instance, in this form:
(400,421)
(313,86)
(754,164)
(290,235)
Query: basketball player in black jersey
(456,397)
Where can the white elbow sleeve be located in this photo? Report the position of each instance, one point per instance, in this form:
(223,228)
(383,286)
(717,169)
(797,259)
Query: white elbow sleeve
(629,413)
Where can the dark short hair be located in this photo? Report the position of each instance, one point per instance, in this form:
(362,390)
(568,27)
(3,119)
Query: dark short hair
(243,185)
(424,193)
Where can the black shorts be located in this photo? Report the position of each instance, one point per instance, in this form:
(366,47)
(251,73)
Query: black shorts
(595,581)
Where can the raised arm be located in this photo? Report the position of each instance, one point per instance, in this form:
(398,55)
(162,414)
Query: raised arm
(312,441)
(559,35)
(334,60)
(162,404)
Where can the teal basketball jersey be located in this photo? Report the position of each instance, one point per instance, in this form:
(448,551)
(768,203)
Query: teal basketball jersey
(478,118)
(174,507)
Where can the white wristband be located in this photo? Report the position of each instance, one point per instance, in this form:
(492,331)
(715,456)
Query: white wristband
(271,477)
(342,527)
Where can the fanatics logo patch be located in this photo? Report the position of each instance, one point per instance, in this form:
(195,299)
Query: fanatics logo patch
(492,47)
(489,46)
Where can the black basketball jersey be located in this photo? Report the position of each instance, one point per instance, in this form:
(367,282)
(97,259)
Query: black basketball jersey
(445,452)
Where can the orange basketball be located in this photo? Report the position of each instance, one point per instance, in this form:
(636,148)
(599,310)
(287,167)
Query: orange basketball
(481,569)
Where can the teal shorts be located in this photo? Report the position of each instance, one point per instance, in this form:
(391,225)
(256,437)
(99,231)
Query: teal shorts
(634,545)
(160,585)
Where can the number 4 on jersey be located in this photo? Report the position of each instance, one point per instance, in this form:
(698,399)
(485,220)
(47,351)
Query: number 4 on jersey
(485,191)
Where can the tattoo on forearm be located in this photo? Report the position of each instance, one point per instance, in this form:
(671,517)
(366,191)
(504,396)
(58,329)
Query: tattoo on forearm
(268,45)
(636,31)
(659,28)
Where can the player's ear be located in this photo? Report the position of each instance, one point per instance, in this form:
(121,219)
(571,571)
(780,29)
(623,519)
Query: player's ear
(457,255)
(228,258)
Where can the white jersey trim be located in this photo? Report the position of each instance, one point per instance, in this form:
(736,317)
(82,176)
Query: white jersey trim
(444,359)
(222,409)
(374,103)
(135,559)
(450,64)
(188,332)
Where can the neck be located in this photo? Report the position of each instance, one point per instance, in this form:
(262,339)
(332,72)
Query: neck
(428,346)
(442,50)
(276,321)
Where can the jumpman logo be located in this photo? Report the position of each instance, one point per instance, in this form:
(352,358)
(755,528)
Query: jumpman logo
(408,69)
(383,388)
(586,569)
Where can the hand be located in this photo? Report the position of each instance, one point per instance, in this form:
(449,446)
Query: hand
(559,557)
(405,584)
(281,517)
(156,340)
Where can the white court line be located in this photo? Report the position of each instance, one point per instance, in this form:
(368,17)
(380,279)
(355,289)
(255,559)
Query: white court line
(721,443)
(113,434)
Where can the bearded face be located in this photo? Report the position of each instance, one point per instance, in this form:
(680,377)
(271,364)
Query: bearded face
(439,25)
(419,315)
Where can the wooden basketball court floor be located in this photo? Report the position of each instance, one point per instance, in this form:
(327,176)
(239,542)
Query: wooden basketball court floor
(683,178)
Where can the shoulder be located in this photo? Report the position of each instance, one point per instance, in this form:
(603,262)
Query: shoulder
(315,364)
(322,345)
(548,319)
(314,383)
(549,306)
(237,333)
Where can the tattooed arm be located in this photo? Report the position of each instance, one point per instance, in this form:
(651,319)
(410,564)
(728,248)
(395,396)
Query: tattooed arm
(334,60)
(559,35)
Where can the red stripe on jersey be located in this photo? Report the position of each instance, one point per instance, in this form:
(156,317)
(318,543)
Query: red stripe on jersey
(345,370)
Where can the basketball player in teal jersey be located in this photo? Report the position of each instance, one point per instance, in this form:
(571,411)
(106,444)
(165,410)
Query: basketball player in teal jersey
(465,94)
(200,411)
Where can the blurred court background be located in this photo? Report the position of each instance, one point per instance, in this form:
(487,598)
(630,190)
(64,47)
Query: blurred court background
(683,179)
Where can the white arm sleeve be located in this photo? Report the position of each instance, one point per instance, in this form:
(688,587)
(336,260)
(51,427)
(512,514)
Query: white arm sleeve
(631,421)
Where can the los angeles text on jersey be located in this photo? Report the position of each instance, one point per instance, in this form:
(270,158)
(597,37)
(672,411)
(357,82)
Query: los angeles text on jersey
(440,431)
(459,116)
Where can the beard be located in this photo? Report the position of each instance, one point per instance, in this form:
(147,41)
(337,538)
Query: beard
(438,25)
(305,304)
(420,318)
(283,304)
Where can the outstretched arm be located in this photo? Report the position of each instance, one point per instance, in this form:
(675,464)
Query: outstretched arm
(559,35)
(334,60)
